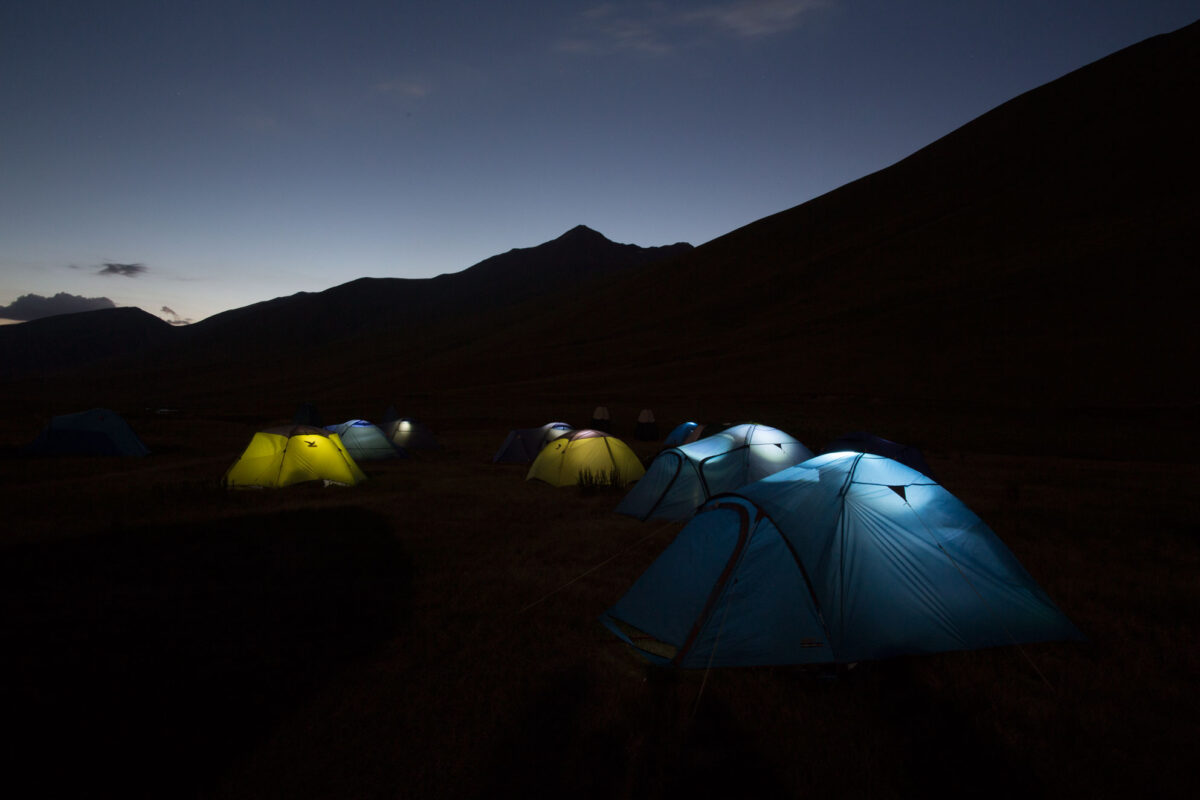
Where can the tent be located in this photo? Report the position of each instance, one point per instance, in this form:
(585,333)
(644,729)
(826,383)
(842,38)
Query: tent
(647,428)
(364,441)
(688,432)
(564,460)
(846,557)
(410,434)
(680,479)
(292,454)
(523,444)
(97,432)
(601,419)
(862,442)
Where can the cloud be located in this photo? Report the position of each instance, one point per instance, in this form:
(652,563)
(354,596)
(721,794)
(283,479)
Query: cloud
(175,318)
(124,270)
(34,306)
(751,18)
(654,29)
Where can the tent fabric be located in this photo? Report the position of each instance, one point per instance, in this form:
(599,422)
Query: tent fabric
(562,461)
(288,455)
(410,434)
(522,445)
(680,433)
(863,442)
(96,432)
(365,441)
(682,478)
(843,558)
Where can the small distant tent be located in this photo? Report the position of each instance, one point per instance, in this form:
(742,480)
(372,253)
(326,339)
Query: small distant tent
(365,441)
(564,460)
(682,478)
(410,434)
(97,432)
(647,428)
(307,414)
(293,454)
(601,420)
(846,557)
(680,434)
(863,442)
(523,444)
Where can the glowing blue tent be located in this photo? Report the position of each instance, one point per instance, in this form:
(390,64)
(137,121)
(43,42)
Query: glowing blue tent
(98,432)
(679,434)
(681,479)
(846,557)
(364,441)
(523,444)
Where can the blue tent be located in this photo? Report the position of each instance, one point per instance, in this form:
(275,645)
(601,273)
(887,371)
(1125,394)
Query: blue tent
(679,434)
(863,442)
(365,441)
(845,557)
(523,444)
(98,432)
(681,479)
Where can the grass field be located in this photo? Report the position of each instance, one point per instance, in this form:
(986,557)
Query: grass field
(433,633)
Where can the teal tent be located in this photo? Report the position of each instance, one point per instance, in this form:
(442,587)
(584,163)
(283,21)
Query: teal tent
(98,432)
(364,441)
(846,557)
(682,478)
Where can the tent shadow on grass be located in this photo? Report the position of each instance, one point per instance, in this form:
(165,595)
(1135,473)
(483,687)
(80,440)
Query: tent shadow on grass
(164,654)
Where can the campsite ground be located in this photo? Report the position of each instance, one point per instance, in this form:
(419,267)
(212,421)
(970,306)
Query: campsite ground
(405,637)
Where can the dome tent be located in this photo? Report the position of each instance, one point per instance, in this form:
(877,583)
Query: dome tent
(846,557)
(680,479)
(410,434)
(563,461)
(601,420)
(862,442)
(523,444)
(364,441)
(97,432)
(293,454)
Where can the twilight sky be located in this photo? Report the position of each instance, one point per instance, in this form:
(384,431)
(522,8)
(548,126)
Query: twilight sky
(190,157)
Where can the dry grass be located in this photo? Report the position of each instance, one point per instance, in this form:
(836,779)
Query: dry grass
(434,632)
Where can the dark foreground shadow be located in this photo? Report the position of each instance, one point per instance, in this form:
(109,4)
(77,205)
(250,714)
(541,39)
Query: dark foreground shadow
(143,662)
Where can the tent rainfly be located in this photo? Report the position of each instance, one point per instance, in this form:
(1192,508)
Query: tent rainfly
(97,432)
(410,434)
(523,444)
(365,441)
(647,428)
(565,460)
(601,420)
(843,558)
(293,454)
(681,479)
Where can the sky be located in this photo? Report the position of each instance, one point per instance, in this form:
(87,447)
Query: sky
(192,157)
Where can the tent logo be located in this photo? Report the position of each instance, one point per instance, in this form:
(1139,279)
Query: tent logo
(311,442)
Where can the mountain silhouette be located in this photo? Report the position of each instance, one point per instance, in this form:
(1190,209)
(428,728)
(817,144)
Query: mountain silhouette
(1032,257)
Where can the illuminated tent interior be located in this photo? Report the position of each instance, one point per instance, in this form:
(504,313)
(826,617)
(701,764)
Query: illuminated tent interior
(682,478)
(410,434)
(293,454)
(846,557)
(566,459)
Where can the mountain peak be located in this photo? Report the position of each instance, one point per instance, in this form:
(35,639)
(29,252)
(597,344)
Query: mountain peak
(582,232)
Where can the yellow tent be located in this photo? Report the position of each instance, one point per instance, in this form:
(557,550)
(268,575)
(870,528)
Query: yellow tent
(293,454)
(562,461)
